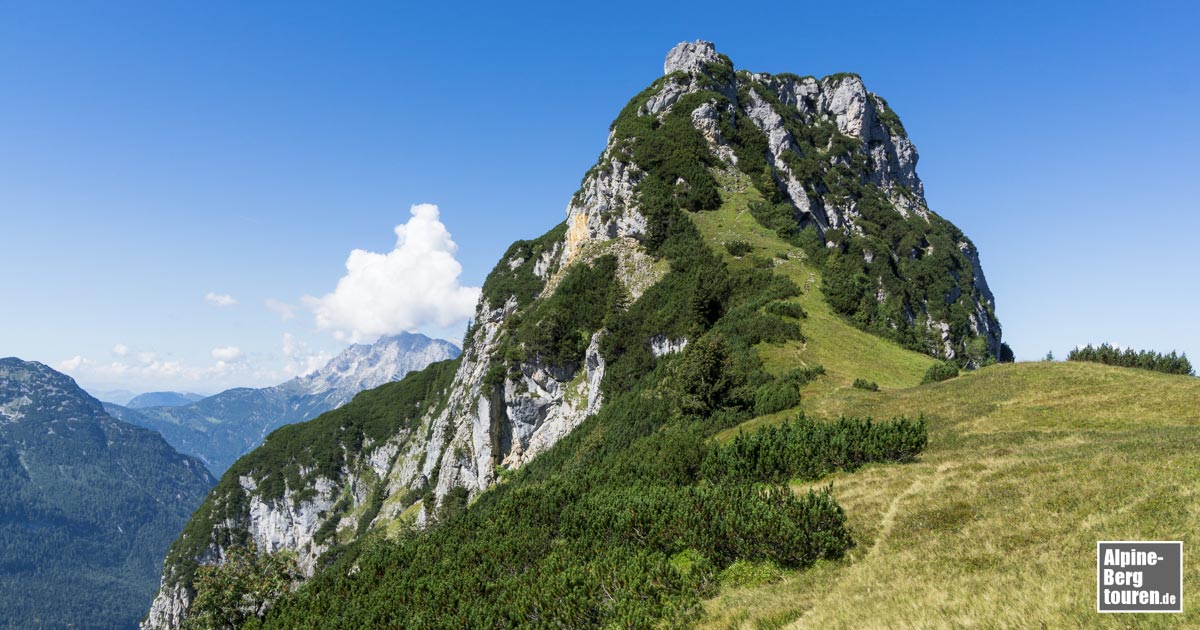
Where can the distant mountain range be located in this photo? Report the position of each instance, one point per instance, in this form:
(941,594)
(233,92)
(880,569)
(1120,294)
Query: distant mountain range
(88,505)
(116,396)
(126,398)
(220,428)
(163,399)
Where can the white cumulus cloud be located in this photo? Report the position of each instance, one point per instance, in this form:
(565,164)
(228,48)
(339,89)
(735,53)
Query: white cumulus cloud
(416,285)
(220,299)
(301,359)
(74,363)
(148,371)
(227,354)
(120,349)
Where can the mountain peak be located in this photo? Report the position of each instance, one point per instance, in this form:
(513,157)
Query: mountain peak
(220,428)
(30,387)
(570,327)
(690,57)
(827,157)
(162,399)
(366,366)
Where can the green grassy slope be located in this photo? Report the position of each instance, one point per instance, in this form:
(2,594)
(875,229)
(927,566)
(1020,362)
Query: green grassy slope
(846,352)
(1028,465)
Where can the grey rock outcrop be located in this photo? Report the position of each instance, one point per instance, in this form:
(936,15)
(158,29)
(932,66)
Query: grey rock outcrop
(660,345)
(690,57)
(604,208)
(366,366)
(855,113)
(779,143)
(170,607)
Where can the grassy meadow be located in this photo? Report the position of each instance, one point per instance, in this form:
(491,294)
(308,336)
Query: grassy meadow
(1028,465)
(995,526)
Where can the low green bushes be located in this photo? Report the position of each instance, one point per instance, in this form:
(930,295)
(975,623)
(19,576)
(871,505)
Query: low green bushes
(1146,359)
(738,248)
(808,450)
(939,372)
(862,383)
(776,396)
(723,522)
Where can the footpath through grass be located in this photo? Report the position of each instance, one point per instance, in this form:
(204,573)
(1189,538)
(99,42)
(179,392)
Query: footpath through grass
(1028,465)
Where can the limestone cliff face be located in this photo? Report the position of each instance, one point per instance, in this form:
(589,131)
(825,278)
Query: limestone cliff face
(878,153)
(498,411)
(485,424)
(483,427)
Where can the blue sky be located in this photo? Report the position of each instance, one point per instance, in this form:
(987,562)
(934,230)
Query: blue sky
(152,154)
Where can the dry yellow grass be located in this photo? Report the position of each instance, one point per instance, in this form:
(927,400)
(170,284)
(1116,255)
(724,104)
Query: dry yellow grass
(1027,467)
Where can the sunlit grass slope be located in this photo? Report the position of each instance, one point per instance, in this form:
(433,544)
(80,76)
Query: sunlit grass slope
(1028,465)
(846,352)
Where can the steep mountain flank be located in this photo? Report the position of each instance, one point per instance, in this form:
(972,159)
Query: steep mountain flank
(601,357)
(835,168)
(220,428)
(88,508)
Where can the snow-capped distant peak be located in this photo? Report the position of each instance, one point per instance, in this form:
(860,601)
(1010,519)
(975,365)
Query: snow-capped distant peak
(366,366)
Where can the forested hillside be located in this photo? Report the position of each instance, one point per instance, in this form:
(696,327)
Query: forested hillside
(89,506)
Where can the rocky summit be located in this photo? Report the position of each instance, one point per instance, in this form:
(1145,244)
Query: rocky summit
(841,161)
(600,337)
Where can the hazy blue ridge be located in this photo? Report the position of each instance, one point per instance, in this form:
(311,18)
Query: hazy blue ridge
(221,428)
(163,399)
